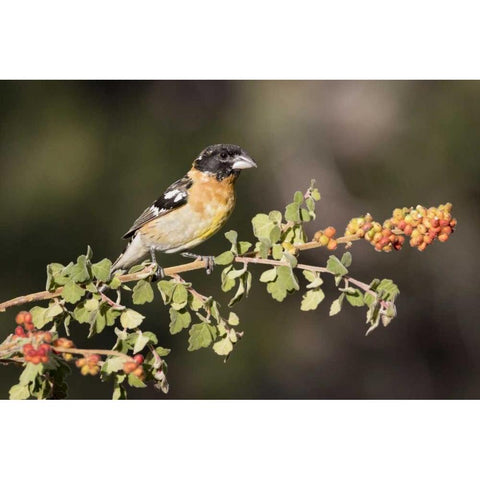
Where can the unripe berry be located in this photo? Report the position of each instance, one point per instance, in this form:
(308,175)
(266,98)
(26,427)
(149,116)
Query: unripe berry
(408,230)
(92,360)
(85,370)
(323,240)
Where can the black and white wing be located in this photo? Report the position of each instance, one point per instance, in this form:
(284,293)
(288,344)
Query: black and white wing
(174,196)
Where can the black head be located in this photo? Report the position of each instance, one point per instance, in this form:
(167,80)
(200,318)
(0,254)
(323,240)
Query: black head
(223,160)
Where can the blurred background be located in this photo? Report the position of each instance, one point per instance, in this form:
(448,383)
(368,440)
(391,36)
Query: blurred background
(79,161)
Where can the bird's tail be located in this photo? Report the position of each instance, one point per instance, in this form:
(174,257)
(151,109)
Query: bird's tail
(133,254)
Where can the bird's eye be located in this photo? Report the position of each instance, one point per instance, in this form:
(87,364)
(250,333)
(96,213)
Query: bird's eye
(223,154)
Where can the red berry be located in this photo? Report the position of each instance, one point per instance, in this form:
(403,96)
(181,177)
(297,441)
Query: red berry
(92,360)
(28,348)
(28,317)
(138,359)
(19,332)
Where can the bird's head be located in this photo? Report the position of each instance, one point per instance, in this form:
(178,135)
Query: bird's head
(223,160)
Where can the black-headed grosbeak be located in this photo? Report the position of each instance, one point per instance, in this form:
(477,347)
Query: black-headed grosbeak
(191,210)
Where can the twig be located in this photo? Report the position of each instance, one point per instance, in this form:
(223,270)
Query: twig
(172,271)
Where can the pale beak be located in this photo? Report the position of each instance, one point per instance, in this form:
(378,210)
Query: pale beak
(243,162)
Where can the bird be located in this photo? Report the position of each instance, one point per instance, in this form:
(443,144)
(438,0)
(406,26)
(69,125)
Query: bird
(189,211)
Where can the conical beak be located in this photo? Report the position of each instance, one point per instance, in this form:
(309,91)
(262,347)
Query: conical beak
(242,162)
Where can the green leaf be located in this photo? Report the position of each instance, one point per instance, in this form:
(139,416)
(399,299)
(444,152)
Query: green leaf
(78,272)
(140,343)
(131,319)
(134,381)
(277,252)
(292,213)
(82,315)
(287,278)
(225,258)
(336,305)
(227,282)
(335,266)
(356,298)
(387,290)
(268,275)
(346,259)
(115,283)
(180,297)
(101,270)
(119,392)
(19,392)
(163,352)
(166,288)
(72,293)
(179,320)
(232,237)
(277,291)
(244,247)
(30,373)
(309,275)
(142,293)
(312,299)
(275,216)
(113,364)
(265,229)
(201,336)
(298,197)
(223,347)
(233,319)
(38,317)
(238,294)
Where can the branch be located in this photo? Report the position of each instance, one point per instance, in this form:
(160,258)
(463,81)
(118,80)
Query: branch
(186,267)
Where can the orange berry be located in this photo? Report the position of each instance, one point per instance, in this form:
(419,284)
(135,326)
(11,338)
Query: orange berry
(443,237)
(27,317)
(20,318)
(332,244)
(138,372)
(81,362)
(422,246)
(129,367)
(329,232)
(29,326)
(85,370)
(47,337)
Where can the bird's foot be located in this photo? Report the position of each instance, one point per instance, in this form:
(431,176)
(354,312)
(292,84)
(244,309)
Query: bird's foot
(208,259)
(158,272)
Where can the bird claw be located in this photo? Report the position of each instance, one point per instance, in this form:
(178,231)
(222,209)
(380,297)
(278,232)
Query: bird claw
(158,274)
(208,259)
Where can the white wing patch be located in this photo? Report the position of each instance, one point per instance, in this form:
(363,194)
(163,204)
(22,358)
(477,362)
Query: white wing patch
(171,193)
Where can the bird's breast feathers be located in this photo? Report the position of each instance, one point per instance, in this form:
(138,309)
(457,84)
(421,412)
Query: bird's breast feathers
(207,208)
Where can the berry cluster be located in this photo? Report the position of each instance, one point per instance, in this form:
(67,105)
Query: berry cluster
(135,366)
(325,238)
(88,365)
(64,343)
(36,355)
(25,319)
(421,224)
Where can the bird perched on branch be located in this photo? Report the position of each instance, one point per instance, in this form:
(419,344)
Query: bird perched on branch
(190,210)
